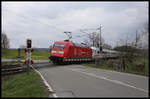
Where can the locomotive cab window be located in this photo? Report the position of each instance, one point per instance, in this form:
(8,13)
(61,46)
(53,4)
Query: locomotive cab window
(59,46)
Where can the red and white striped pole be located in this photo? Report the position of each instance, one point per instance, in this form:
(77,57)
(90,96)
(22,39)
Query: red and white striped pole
(28,52)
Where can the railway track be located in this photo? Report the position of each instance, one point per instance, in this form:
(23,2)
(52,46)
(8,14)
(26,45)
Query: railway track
(12,69)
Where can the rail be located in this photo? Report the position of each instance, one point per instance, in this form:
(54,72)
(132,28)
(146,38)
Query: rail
(12,69)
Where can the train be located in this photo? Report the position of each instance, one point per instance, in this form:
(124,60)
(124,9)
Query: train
(69,52)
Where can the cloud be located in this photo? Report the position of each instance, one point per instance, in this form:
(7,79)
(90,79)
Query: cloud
(46,22)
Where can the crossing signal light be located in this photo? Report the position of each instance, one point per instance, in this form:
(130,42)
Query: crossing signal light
(29,42)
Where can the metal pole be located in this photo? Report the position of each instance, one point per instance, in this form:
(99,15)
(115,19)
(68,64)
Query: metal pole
(100,34)
(28,64)
(100,43)
(18,52)
(28,67)
(136,40)
(19,56)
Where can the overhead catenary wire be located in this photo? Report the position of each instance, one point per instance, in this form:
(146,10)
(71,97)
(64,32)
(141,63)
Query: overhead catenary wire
(25,17)
(39,20)
(76,29)
(63,24)
(29,18)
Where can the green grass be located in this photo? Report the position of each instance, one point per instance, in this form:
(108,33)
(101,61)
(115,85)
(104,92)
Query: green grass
(36,55)
(146,65)
(40,55)
(103,66)
(7,53)
(7,63)
(23,85)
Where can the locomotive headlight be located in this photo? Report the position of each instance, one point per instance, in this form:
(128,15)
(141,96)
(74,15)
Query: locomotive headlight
(61,52)
(53,51)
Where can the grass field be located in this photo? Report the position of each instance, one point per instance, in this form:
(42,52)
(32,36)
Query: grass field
(103,66)
(36,55)
(23,85)
(146,65)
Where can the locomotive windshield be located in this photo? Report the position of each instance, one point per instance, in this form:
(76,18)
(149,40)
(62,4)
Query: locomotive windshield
(59,46)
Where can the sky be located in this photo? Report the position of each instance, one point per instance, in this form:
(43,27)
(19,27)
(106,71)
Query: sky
(45,22)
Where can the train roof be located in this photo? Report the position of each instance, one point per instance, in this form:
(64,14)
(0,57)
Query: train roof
(105,50)
(110,51)
(62,42)
(73,43)
(80,45)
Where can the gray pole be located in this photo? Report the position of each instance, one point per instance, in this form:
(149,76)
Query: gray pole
(29,60)
(100,36)
(19,55)
(136,40)
(18,52)
(100,41)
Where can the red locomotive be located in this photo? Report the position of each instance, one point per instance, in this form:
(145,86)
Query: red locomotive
(69,52)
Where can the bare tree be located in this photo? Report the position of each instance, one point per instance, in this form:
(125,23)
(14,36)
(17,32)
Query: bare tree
(144,32)
(4,41)
(145,35)
(132,49)
(93,39)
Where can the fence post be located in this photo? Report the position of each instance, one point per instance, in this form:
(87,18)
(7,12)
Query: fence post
(123,64)
(96,61)
(144,68)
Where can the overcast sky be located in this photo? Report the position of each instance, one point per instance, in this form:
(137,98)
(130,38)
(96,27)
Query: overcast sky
(45,22)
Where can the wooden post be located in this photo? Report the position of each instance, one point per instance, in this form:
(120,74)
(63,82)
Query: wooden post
(19,54)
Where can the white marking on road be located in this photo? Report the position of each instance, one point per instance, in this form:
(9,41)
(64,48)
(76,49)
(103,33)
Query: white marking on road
(127,74)
(49,88)
(114,81)
(122,73)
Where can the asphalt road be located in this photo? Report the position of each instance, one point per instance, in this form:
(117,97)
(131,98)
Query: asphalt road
(80,81)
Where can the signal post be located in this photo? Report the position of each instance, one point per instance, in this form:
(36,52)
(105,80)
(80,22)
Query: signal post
(28,52)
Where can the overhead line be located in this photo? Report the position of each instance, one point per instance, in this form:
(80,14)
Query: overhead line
(73,26)
(25,17)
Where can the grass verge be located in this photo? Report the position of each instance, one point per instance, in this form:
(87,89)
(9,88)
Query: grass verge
(146,65)
(104,66)
(23,85)
(36,55)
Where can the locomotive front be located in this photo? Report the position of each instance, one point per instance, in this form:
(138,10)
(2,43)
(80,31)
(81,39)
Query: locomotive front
(69,52)
(58,52)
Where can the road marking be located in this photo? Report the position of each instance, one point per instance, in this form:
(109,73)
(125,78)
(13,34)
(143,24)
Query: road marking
(123,73)
(128,74)
(49,88)
(114,81)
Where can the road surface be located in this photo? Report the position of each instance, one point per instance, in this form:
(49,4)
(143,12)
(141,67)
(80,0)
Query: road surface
(79,81)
